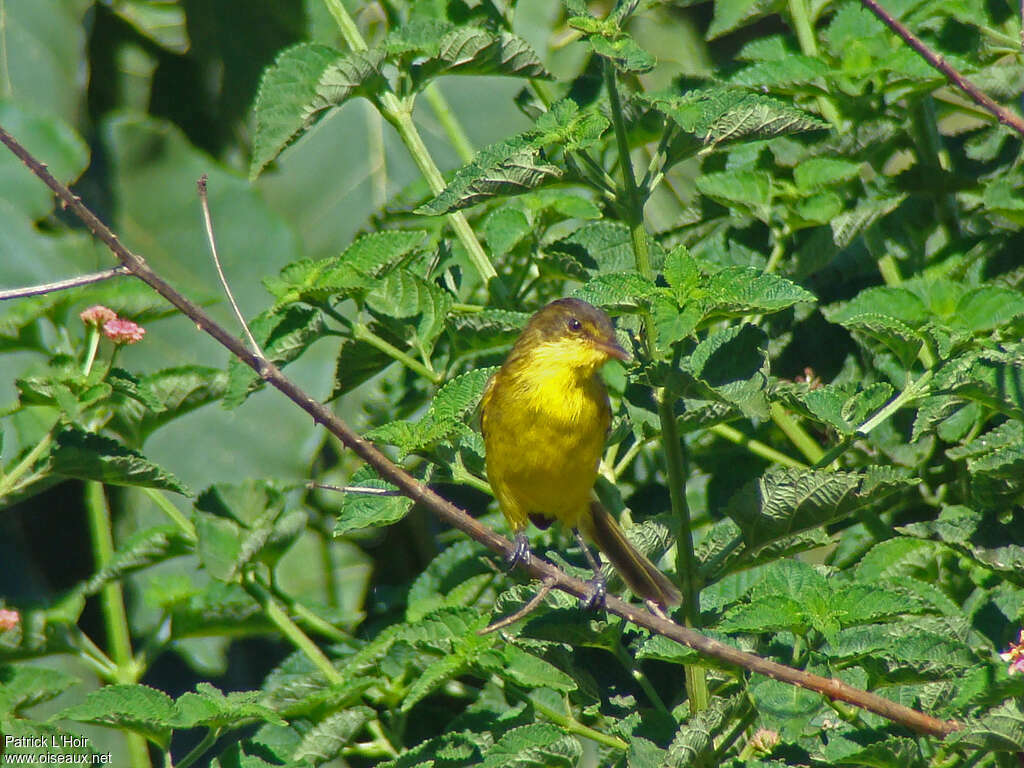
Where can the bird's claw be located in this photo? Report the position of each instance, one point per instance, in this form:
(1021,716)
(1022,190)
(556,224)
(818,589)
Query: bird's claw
(597,591)
(520,552)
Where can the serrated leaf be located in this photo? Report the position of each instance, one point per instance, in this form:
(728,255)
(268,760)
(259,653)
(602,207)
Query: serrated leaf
(794,69)
(137,708)
(530,671)
(358,361)
(847,225)
(504,229)
(617,291)
(623,52)
(724,115)
(817,172)
(145,548)
(696,738)
(284,102)
(510,167)
(25,686)
(998,730)
(988,308)
(751,189)
(176,391)
(326,739)
(283,335)
(370,510)
(606,245)
(785,501)
(472,50)
(538,745)
(739,291)
(210,708)
(733,365)
(87,456)
(732,14)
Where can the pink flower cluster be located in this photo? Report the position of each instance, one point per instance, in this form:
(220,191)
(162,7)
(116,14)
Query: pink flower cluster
(8,619)
(1015,655)
(115,328)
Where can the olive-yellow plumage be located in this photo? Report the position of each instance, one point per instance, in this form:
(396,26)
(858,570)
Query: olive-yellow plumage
(545,417)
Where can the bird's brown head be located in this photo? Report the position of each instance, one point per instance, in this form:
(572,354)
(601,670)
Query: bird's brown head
(572,333)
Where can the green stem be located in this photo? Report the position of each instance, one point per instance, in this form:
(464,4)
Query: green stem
(280,619)
(642,680)
(399,114)
(183,523)
(792,429)
(378,160)
(570,724)
(313,621)
(802,25)
(94,344)
(449,122)
(115,617)
(362,333)
(756,447)
(212,734)
(634,201)
(675,460)
(10,481)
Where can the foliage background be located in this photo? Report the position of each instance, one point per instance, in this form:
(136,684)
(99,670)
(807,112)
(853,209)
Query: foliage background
(137,99)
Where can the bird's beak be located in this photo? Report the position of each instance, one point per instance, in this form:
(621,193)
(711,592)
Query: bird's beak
(612,348)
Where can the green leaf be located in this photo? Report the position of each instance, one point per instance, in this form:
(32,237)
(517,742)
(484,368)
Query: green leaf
(87,456)
(794,69)
(504,229)
(623,52)
(993,377)
(617,291)
(136,708)
(510,167)
(283,334)
(772,613)
(739,291)
(723,115)
(370,510)
(529,671)
(750,189)
(988,308)
(146,547)
(732,14)
(539,745)
(358,361)
(165,396)
(733,365)
(468,50)
(605,245)
(817,172)
(25,686)
(326,739)
(209,708)
(695,740)
(998,730)
(847,225)
(284,106)
(785,501)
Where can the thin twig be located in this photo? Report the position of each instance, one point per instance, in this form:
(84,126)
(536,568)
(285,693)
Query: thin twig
(534,601)
(63,285)
(1004,115)
(204,202)
(361,489)
(456,517)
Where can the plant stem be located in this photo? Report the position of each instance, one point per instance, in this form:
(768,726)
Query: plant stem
(362,333)
(634,201)
(280,619)
(571,724)
(212,734)
(792,429)
(94,344)
(449,122)
(399,114)
(183,523)
(802,25)
(756,447)
(642,680)
(675,460)
(115,617)
(10,481)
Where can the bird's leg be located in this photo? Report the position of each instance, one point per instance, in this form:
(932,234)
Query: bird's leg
(598,591)
(520,552)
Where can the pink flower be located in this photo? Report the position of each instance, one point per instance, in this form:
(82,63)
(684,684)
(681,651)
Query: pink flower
(1015,655)
(9,619)
(123,331)
(97,315)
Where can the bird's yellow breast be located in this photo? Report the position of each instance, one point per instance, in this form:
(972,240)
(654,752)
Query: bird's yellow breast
(544,421)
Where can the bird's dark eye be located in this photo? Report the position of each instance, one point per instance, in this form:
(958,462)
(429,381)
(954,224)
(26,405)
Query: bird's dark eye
(574,324)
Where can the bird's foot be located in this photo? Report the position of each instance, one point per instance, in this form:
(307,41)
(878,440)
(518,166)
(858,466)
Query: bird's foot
(597,591)
(520,552)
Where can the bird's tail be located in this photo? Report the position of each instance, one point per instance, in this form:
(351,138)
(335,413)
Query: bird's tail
(642,576)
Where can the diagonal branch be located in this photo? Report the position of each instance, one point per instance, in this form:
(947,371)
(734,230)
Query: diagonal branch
(452,515)
(63,285)
(1005,116)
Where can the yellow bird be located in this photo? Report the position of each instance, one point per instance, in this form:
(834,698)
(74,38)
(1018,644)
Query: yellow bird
(545,418)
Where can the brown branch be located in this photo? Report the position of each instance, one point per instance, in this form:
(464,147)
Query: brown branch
(457,518)
(63,285)
(1005,116)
